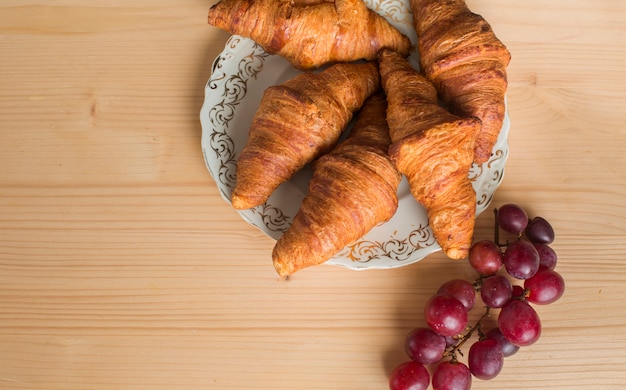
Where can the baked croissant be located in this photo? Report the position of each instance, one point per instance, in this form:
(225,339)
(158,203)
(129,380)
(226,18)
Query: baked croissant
(295,123)
(433,149)
(308,33)
(462,56)
(353,189)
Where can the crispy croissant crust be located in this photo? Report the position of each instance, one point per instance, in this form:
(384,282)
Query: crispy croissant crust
(295,123)
(353,189)
(462,56)
(310,34)
(433,149)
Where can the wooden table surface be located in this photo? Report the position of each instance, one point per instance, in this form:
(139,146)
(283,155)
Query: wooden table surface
(121,267)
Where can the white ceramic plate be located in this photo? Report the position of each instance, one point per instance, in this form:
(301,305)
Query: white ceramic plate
(240,75)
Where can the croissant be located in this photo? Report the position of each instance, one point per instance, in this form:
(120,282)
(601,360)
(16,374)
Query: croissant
(433,149)
(295,123)
(353,189)
(461,55)
(310,33)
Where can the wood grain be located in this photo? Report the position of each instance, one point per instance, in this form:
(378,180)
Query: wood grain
(121,267)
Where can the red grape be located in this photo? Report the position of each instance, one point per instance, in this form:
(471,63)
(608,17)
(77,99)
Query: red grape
(539,230)
(547,255)
(518,292)
(461,290)
(508,349)
(521,259)
(496,291)
(452,376)
(485,359)
(485,257)
(425,346)
(409,376)
(450,341)
(512,218)
(445,315)
(519,323)
(545,287)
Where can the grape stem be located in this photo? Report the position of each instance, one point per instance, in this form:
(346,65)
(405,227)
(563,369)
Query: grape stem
(496,231)
(496,228)
(456,348)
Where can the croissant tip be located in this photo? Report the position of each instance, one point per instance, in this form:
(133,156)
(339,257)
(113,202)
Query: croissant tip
(457,253)
(481,154)
(283,270)
(238,203)
(480,160)
(241,202)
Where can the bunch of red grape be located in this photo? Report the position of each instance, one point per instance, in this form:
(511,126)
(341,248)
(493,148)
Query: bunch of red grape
(526,259)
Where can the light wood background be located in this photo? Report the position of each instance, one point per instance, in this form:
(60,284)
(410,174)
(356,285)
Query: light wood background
(122,268)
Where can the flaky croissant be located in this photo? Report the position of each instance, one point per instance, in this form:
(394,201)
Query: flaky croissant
(461,55)
(295,123)
(353,189)
(310,34)
(433,149)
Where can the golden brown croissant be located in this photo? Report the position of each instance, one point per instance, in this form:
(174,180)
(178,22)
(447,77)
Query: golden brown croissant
(353,189)
(295,123)
(462,56)
(433,149)
(310,35)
